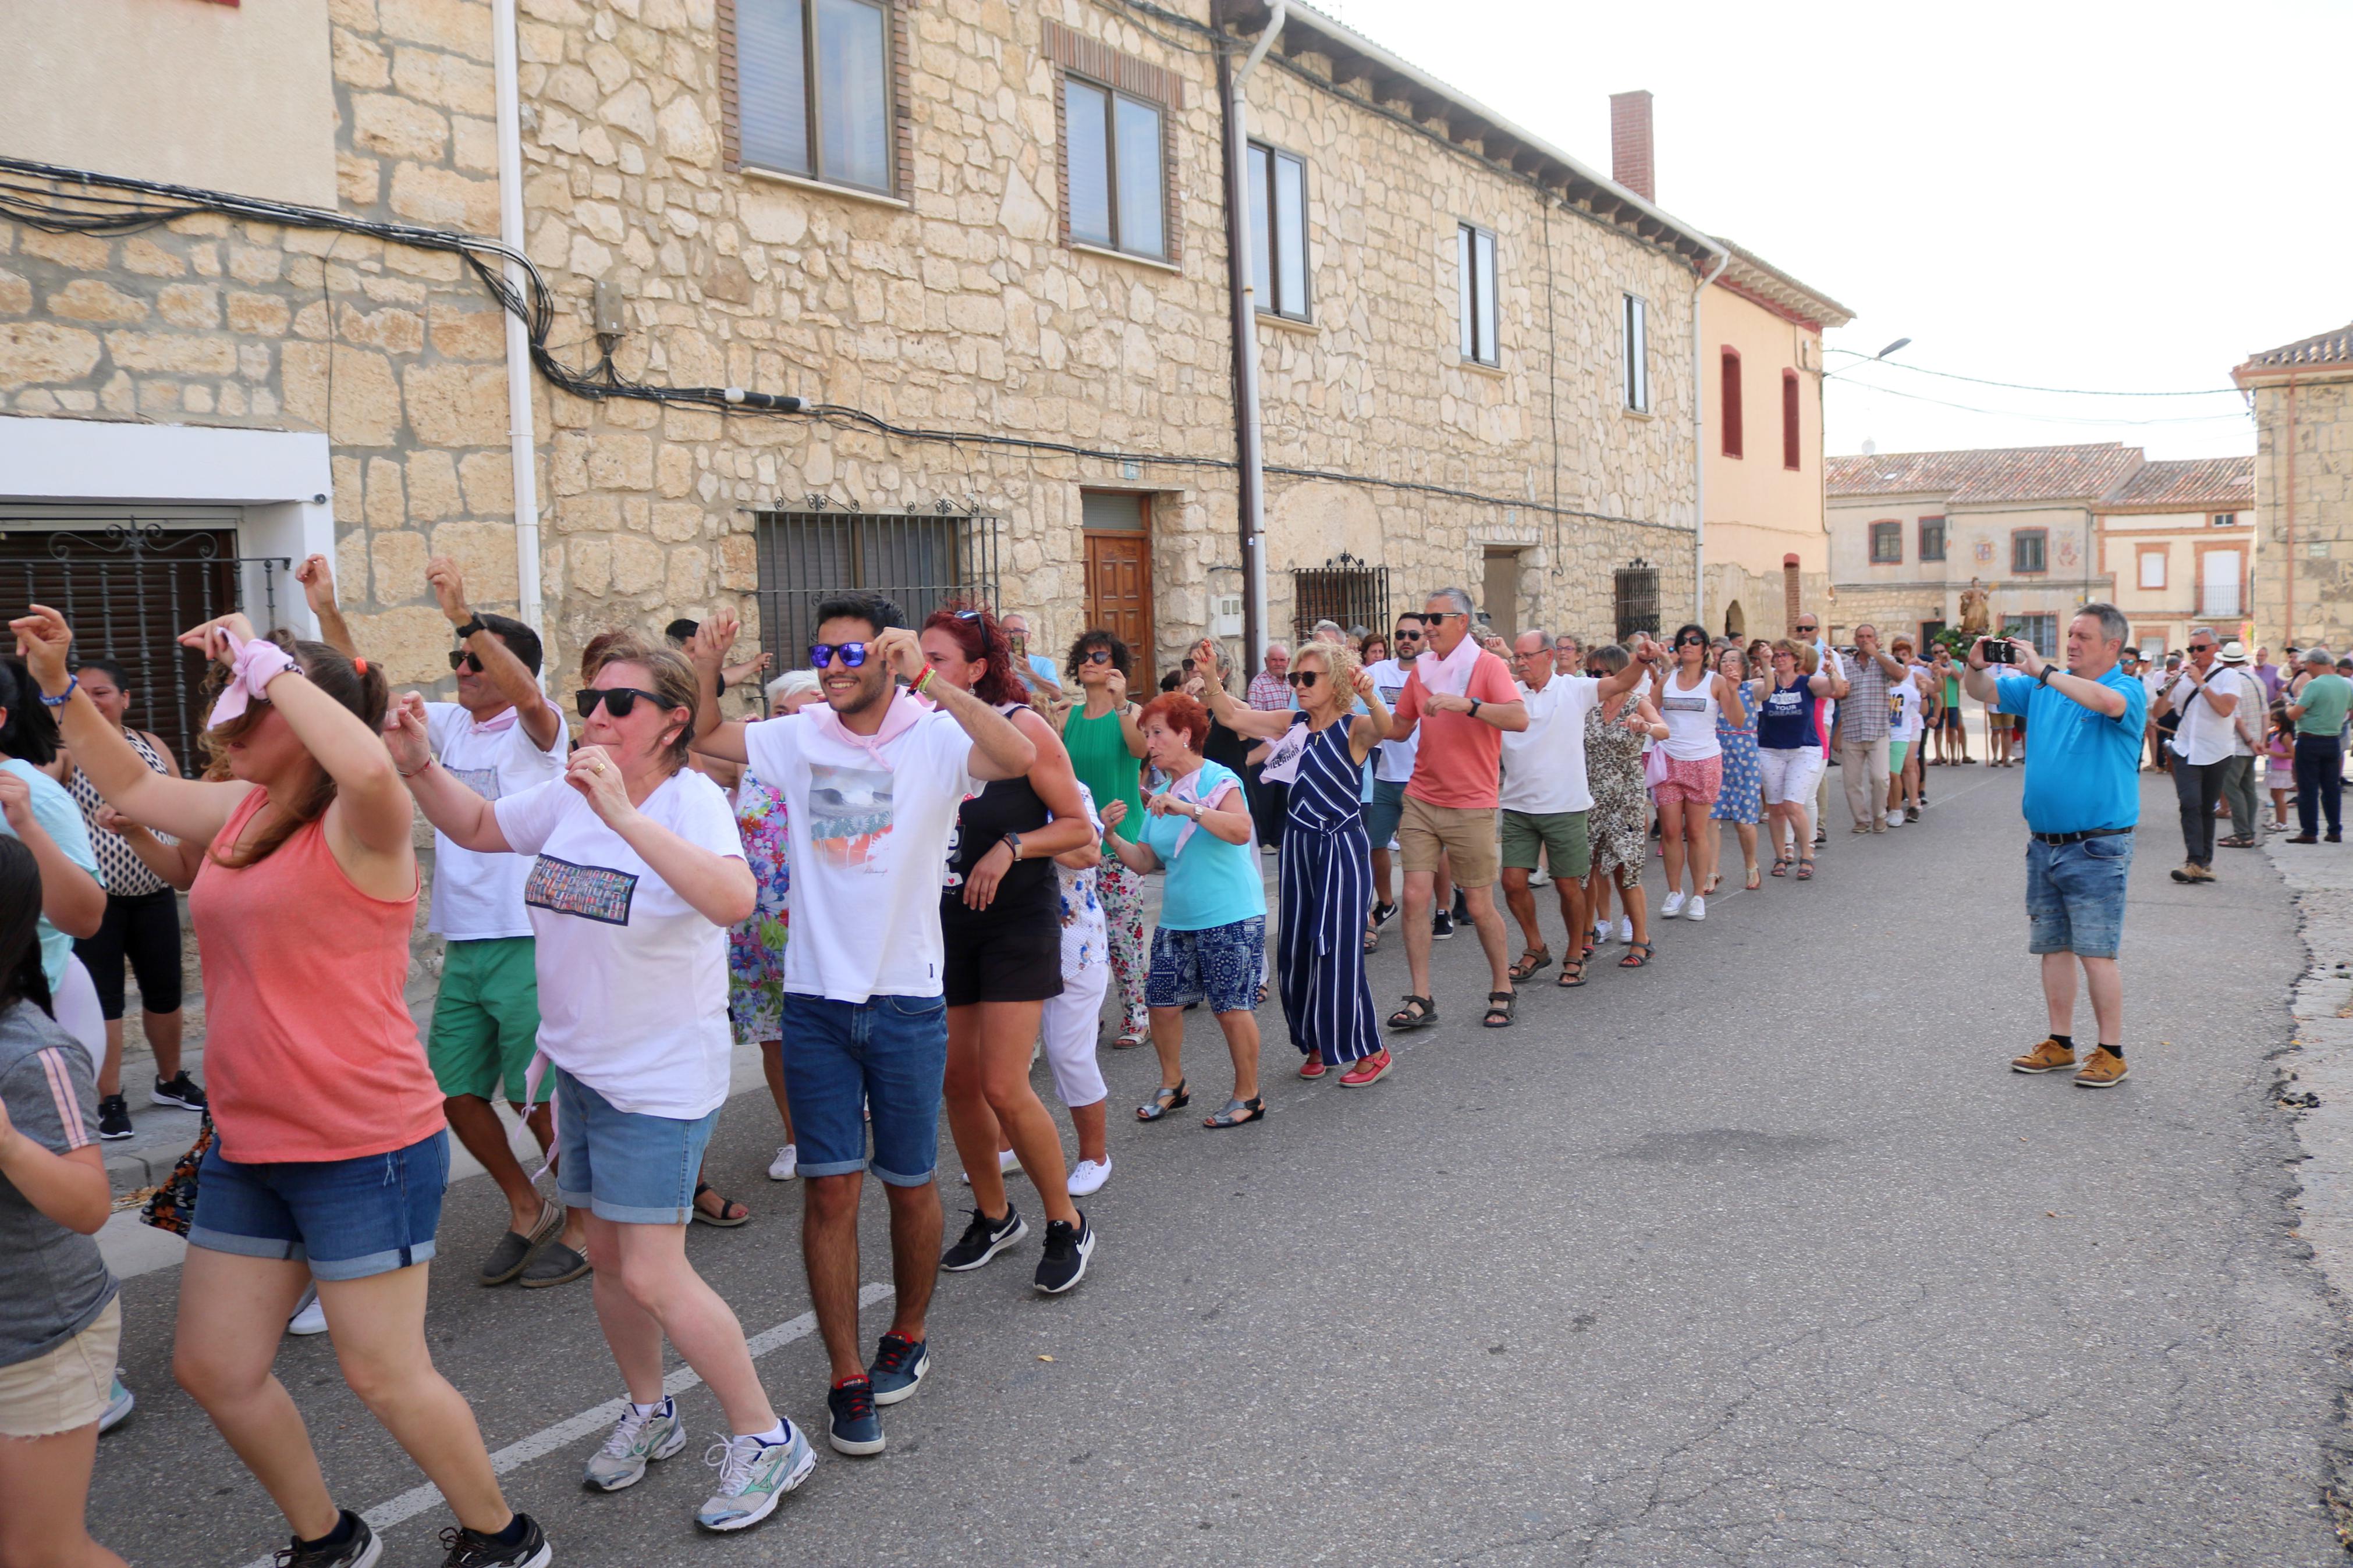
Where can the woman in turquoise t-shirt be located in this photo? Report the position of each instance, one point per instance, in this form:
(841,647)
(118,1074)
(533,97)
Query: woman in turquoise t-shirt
(1210,945)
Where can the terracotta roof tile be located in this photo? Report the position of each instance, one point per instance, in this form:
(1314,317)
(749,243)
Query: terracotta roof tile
(2221,484)
(1990,474)
(2328,348)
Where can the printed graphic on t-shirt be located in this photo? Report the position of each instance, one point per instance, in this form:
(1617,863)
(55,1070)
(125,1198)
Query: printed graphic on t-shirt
(592,892)
(1671,704)
(850,814)
(483,781)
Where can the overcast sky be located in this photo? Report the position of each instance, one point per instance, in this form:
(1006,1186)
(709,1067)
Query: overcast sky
(2066,193)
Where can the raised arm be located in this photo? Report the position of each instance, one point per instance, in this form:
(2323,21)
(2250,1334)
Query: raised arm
(999,750)
(1256,723)
(501,668)
(1058,787)
(715,736)
(468,819)
(73,899)
(318,579)
(1370,728)
(719,888)
(2100,699)
(1137,857)
(189,809)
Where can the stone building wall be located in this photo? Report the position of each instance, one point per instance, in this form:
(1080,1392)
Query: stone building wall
(2323,458)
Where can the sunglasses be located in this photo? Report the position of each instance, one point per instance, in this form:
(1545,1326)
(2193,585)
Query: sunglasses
(1098,655)
(1408,637)
(461,659)
(853,654)
(2201,648)
(1447,615)
(617,700)
(1690,642)
(1303,678)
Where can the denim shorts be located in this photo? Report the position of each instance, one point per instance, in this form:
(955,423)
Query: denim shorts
(1382,812)
(2075,895)
(888,1055)
(624,1165)
(1221,964)
(348,1219)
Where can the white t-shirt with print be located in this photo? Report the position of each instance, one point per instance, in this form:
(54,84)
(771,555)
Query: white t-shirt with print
(632,979)
(1544,765)
(1086,941)
(868,838)
(480,896)
(1393,760)
(1910,704)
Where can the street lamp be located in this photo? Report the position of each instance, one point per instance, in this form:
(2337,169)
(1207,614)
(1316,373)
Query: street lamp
(1898,343)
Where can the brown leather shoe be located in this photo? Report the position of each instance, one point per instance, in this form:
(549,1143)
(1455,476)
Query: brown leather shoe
(2048,1056)
(2105,1069)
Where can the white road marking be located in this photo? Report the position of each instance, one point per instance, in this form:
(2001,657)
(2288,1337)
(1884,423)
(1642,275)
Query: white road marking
(548,1439)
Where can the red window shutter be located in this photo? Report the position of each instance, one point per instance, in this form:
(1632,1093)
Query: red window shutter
(1732,443)
(1793,452)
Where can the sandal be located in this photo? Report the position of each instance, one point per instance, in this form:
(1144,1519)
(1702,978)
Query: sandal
(2235,842)
(731,1213)
(1781,865)
(1127,1042)
(1638,954)
(1754,881)
(1572,974)
(1805,868)
(1418,1013)
(1715,881)
(1164,1100)
(1237,1113)
(1261,994)
(1499,1009)
(1372,939)
(1534,960)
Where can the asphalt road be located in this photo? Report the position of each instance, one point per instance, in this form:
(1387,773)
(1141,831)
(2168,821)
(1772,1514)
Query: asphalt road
(1756,1256)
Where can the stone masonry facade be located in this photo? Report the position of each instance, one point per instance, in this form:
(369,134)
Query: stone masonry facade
(2321,552)
(954,304)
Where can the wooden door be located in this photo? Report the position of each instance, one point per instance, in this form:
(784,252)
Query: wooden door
(1503,592)
(1119,596)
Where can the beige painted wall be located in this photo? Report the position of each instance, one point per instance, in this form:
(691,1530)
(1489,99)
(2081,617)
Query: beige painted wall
(2166,615)
(1911,591)
(227,98)
(1753,501)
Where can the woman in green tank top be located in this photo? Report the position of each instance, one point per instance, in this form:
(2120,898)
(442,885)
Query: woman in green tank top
(1106,753)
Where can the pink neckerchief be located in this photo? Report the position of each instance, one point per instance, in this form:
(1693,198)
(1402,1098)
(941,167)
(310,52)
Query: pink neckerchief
(492,726)
(1188,788)
(252,667)
(900,717)
(1449,673)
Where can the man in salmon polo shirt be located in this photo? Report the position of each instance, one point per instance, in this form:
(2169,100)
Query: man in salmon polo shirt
(1462,699)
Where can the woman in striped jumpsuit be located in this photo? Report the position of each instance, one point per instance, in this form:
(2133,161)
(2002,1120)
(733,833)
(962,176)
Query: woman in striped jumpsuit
(1327,887)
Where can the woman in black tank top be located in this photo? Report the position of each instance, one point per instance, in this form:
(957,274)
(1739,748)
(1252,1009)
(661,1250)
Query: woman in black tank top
(1000,922)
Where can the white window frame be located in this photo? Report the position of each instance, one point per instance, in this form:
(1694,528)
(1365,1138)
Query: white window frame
(814,92)
(1477,318)
(1634,351)
(1112,98)
(1267,164)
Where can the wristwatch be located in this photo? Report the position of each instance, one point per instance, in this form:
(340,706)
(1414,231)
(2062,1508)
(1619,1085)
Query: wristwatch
(471,626)
(2044,678)
(1015,839)
(1474,708)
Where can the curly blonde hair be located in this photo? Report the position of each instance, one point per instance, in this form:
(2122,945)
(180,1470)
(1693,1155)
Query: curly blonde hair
(1340,666)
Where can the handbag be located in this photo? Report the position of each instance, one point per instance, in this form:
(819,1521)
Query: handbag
(172,1205)
(1654,766)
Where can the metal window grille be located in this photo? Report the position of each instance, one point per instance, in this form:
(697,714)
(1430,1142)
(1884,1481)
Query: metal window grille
(1637,596)
(1343,590)
(128,590)
(917,562)
(2043,631)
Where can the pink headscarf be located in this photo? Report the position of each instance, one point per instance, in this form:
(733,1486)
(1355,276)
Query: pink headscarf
(252,667)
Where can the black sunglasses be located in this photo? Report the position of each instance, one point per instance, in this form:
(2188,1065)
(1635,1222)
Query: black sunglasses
(461,659)
(1408,637)
(1447,615)
(617,699)
(1690,642)
(853,654)
(1098,655)
(1303,678)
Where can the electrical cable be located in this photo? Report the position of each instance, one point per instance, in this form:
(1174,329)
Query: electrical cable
(2020,386)
(2047,418)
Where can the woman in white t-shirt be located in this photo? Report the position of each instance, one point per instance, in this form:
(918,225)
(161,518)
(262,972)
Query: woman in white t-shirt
(639,871)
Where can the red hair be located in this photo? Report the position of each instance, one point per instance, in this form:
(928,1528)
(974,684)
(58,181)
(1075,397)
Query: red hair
(1181,714)
(973,629)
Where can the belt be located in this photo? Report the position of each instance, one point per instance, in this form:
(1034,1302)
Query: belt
(2077,838)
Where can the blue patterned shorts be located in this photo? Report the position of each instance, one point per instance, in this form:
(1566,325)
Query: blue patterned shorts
(1220,965)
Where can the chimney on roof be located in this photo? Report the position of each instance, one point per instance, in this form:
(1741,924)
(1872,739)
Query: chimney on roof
(1629,143)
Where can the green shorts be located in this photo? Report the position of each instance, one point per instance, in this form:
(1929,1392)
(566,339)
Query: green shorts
(1896,752)
(486,1019)
(1560,834)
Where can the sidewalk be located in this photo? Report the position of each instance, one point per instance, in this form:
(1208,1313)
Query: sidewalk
(2320,1064)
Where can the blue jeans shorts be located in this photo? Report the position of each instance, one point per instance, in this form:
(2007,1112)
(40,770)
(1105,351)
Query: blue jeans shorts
(1220,965)
(624,1165)
(348,1219)
(2075,895)
(887,1054)
(1381,812)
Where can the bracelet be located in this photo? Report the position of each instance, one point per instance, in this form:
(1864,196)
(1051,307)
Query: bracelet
(62,698)
(923,679)
(414,771)
(1015,839)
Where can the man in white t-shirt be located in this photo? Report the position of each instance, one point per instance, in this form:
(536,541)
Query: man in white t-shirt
(2207,695)
(1545,797)
(502,736)
(872,782)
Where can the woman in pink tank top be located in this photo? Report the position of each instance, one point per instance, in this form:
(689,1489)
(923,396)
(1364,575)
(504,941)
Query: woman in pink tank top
(332,1151)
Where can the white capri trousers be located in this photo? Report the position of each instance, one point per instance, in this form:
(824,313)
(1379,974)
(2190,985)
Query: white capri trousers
(1790,776)
(1072,1023)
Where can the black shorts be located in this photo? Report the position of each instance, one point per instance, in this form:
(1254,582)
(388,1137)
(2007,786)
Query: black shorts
(1002,954)
(146,930)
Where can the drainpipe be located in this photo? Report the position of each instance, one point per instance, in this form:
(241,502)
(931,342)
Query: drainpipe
(2287,632)
(1252,488)
(1699,442)
(522,443)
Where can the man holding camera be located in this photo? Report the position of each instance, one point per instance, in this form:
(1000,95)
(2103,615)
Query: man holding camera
(2206,697)
(2082,802)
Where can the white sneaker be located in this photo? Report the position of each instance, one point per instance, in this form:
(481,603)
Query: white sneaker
(1895,819)
(1674,906)
(1088,1176)
(1697,909)
(1008,1164)
(1626,928)
(785,1164)
(311,1319)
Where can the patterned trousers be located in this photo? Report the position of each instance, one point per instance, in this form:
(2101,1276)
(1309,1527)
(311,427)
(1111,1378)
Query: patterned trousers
(1121,892)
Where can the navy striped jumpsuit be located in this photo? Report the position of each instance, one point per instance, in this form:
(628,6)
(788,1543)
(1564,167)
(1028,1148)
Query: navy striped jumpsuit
(1327,891)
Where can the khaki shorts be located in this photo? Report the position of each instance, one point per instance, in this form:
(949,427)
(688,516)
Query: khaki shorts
(66,1388)
(1465,835)
(1561,835)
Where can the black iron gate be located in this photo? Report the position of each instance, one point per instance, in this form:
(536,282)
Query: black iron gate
(128,590)
(1345,591)
(917,560)
(1637,596)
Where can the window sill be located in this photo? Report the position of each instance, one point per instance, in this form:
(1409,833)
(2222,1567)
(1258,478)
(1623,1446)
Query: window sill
(1480,367)
(1289,324)
(1152,261)
(1637,413)
(852,193)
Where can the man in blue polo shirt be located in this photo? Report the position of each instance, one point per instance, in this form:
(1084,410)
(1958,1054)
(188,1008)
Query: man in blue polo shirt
(2083,800)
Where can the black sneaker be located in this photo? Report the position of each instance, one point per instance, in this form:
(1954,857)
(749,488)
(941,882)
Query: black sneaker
(898,1367)
(1442,925)
(470,1549)
(852,1424)
(113,1117)
(1462,906)
(180,1090)
(1067,1251)
(1383,914)
(360,1549)
(982,1239)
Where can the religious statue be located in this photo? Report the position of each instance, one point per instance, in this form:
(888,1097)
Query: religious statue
(1975,619)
